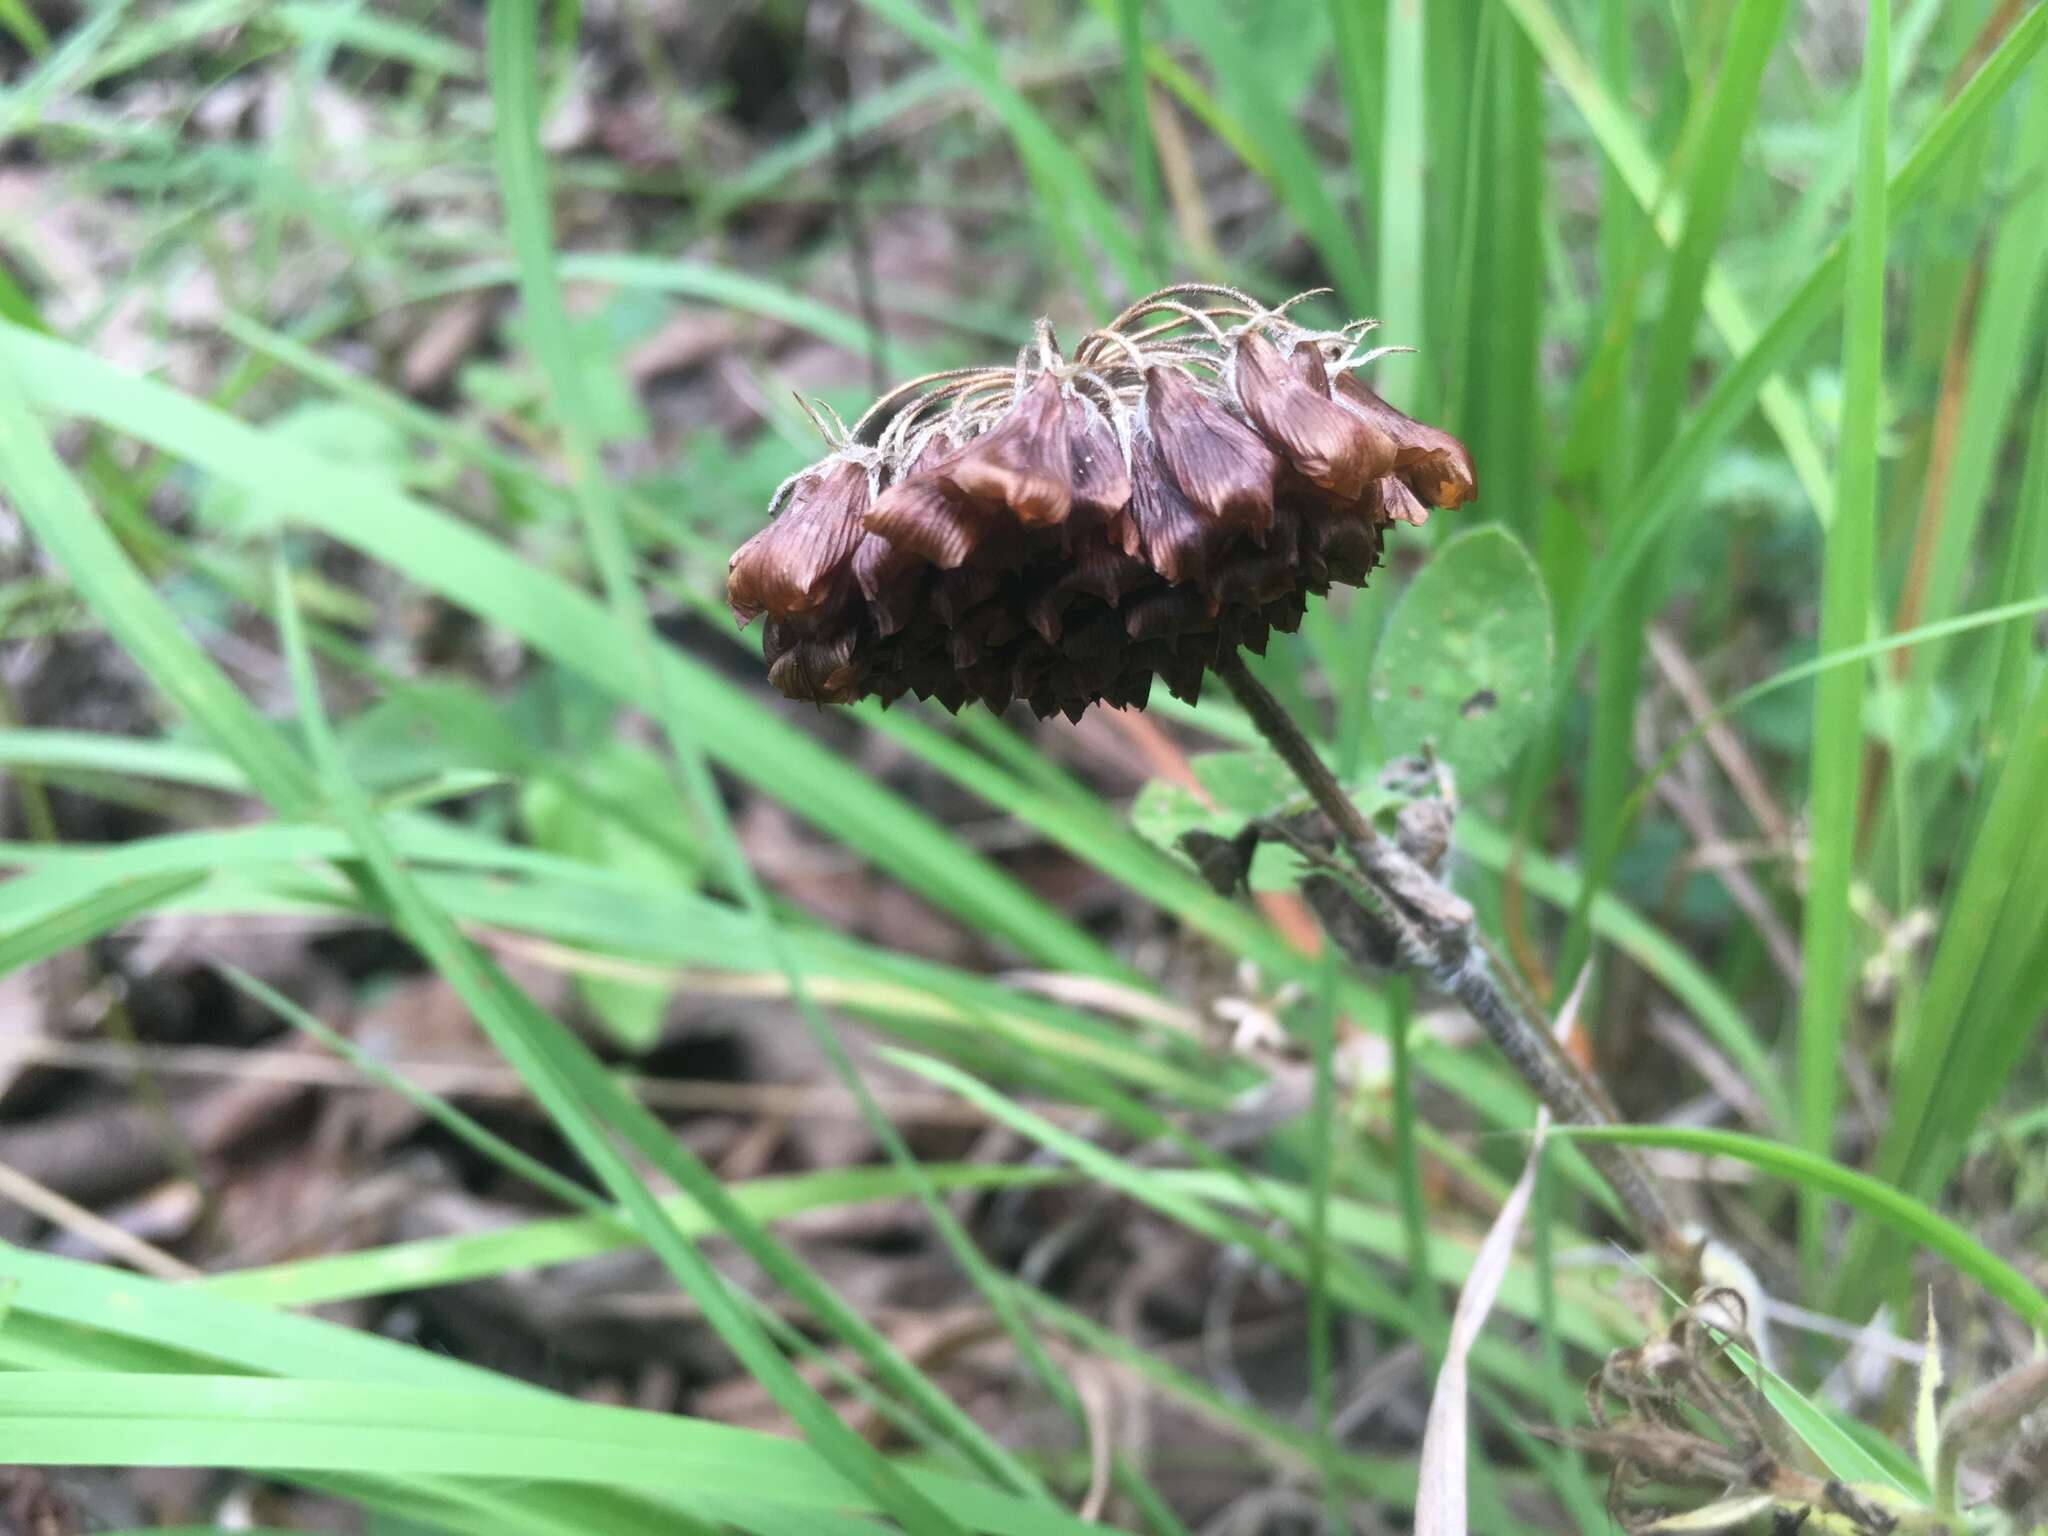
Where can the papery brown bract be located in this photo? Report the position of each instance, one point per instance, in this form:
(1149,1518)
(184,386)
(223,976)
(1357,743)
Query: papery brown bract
(1330,447)
(1102,479)
(1218,463)
(1434,464)
(796,563)
(928,516)
(1023,463)
(1177,538)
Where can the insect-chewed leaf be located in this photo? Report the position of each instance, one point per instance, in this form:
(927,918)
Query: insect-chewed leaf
(1466,658)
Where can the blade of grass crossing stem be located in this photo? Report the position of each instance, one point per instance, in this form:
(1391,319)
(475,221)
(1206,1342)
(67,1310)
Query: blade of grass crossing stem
(512,53)
(1716,157)
(63,521)
(1665,486)
(540,1056)
(1848,581)
(1874,1197)
(1198,1203)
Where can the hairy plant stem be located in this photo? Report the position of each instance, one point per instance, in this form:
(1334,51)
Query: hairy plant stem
(1435,933)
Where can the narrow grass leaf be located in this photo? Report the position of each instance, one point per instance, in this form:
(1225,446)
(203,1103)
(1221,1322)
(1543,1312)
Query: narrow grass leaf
(1848,583)
(1895,1210)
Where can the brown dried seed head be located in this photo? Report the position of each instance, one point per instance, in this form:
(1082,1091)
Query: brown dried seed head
(1065,532)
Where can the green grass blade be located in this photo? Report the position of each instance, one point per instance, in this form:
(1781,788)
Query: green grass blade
(100,1419)
(1245,90)
(58,515)
(1402,226)
(1848,581)
(543,1056)
(1822,1177)
(1665,487)
(444,555)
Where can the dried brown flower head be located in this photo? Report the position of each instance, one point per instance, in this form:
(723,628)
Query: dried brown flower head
(1064,531)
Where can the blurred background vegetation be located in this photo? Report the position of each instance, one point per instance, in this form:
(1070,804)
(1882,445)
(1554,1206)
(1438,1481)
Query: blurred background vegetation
(437,968)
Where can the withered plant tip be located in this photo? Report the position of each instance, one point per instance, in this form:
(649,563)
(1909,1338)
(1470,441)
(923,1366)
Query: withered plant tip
(1063,530)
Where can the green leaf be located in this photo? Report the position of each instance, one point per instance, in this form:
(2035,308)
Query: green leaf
(1231,789)
(1465,663)
(1234,788)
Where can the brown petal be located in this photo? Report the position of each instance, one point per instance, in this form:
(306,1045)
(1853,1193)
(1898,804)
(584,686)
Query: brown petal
(926,516)
(1168,614)
(1130,691)
(955,592)
(1221,465)
(1402,505)
(889,579)
(1046,612)
(1179,539)
(1104,570)
(1252,577)
(1346,540)
(798,562)
(1434,463)
(1102,481)
(1023,461)
(1332,447)
(1183,674)
(817,668)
